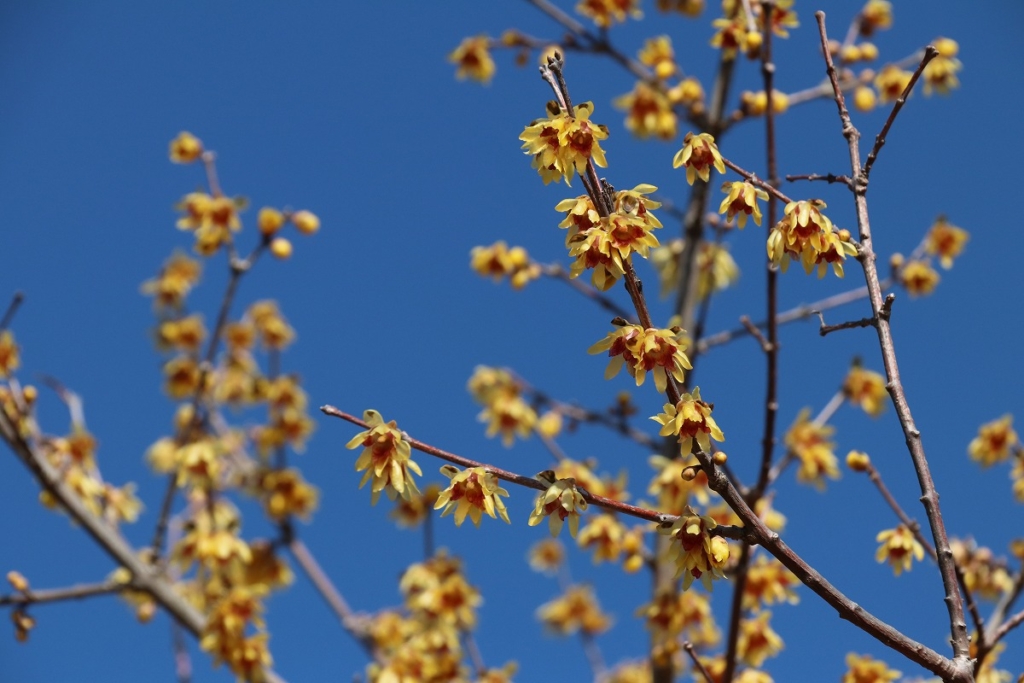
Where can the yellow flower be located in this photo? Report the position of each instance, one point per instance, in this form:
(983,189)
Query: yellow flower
(690,8)
(509,416)
(281,248)
(876,14)
(984,575)
(594,251)
(687,92)
(1017,475)
(698,154)
(716,269)
(120,504)
(641,351)
(266,568)
(269,220)
(274,330)
(436,590)
(604,535)
(473,58)
(411,513)
(657,53)
(672,614)
(741,201)
(649,112)
(489,384)
(995,441)
(899,548)
(547,555)
(809,443)
(285,494)
(561,500)
(576,610)
(472,492)
(918,278)
(10,356)
(757,640)
(756,103)
(186,148)
(691,419)
(549,425)
(891,81)
(385,458)
(176,279)
(183,376)
(498,261)
(945,241)
(864,669)
(305,222)
(769,582)
(940,73)
(782,17)
(671,490)
(183,334)
(696,553)
(864,98)
(607,12)
(730,36)
(866,389)
(858,461)
(987,672)
(806,233)
(563,144)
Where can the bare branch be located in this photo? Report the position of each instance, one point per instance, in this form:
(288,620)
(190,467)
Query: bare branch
(85,590)
(12,308)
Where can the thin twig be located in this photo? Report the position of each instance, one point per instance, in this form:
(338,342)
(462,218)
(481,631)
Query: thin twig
(904,518)
(959,669)
(872,321)
(929,54)
(828,177)
(182,661)
(556,271)
(755,332)
(12,308)
(754,180)
(85,590)
(594,656)
(473,650)
(697,664)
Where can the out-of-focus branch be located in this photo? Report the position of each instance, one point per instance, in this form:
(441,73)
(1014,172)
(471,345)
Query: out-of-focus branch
(85,590)
(12,308)
(557,272)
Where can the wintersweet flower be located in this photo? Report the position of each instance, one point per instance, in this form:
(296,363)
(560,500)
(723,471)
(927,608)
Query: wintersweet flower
(716,269)
(594,251)
(547,555)
(437,591)
(10,357)
(489,384)
(865,669)
(691,419)
(634,551)
(899,548)
(285,493)
(769,582)
(866,389)
(757,640)
(864,98)
(945,241)
(995,441)
(698,155)
(696,553)
(876,14)
(561,501)
(756,103)
(782,17)
(604,535)
(730,37)
(689,8)
(563,144)
(175,280)
(918,278)
(809,443)
(385,458)
(891,81)
(858,461)
(806,233)
(741,201)
(474,60)
(472,492)
(940,73)
(580,216)
(1017,475)
(671,614)
(509,416)
(273,330)
(649,112)
(670,489)
(576,610)
(984,575)
(607,12)
(688,92)
(498,261)
(582,473)
(657,53)
(185,148)
(641,351)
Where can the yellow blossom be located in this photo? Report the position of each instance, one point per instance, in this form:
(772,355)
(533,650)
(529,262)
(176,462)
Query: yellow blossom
(918,278)
(864,98)
(385,458)
(1017,475)
(757,640)
(806,233)
(756,103)
(940,73)
(899,548)
(671,490)
(576,610)
(305,222)
(474,60)
(660,352)
(564,144)
(858,461)
(472,492)
(697,554)
(984,575)
(607,12)
(716,269)
(810,445)
(687,92)
(698,154)
(945,241)
(175,280)
(183,334)
(269,220)
(185,148)
(782,17)
(730,36)
(769,582)
(891,81)
(657,53)
(741,201)
(649,112)
(559,502)
(436,590)
(690,8)
(691,420)
(549,425)
(18,581)
(876,14)
(285,494)
(10,357)
(866,389)
(671,614)
(281,248)
(547,555)
(498,261)
(509,416)
(604,535)
(120,504)
(183,376)
(987,672)
(865,669)
(995,442)
(266,568)
(411,512)
(273,329)
(583,474)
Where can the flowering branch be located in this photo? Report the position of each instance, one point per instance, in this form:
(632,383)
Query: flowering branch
(828,177)
(960,666)
(85,590)
(886,312)
(558,272)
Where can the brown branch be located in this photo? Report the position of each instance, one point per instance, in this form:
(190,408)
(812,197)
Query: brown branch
(85,590)
(755,332)
(995,620)
(929,54)
(12,308)
(886,313)
(828,177)
(557,272)
(960,668)
(1008,625)
(512,477)
(697,664)
(754,180)
(904,518)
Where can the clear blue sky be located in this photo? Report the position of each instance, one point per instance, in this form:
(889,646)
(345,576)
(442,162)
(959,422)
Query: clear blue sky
(350,109)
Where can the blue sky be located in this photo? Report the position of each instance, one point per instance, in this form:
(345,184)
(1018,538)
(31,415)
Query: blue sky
(350,110)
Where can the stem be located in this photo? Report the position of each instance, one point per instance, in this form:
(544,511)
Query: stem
(929,496)
(12,308)
(86,590)
(556,271)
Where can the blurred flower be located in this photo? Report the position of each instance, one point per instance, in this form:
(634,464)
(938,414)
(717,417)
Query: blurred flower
(185,148)
(608,12)
(809,443)
(649,112)
(576,610)
(945,241)
(474,60)
(918,278)
(865,669)
(866,389)
(899,548)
